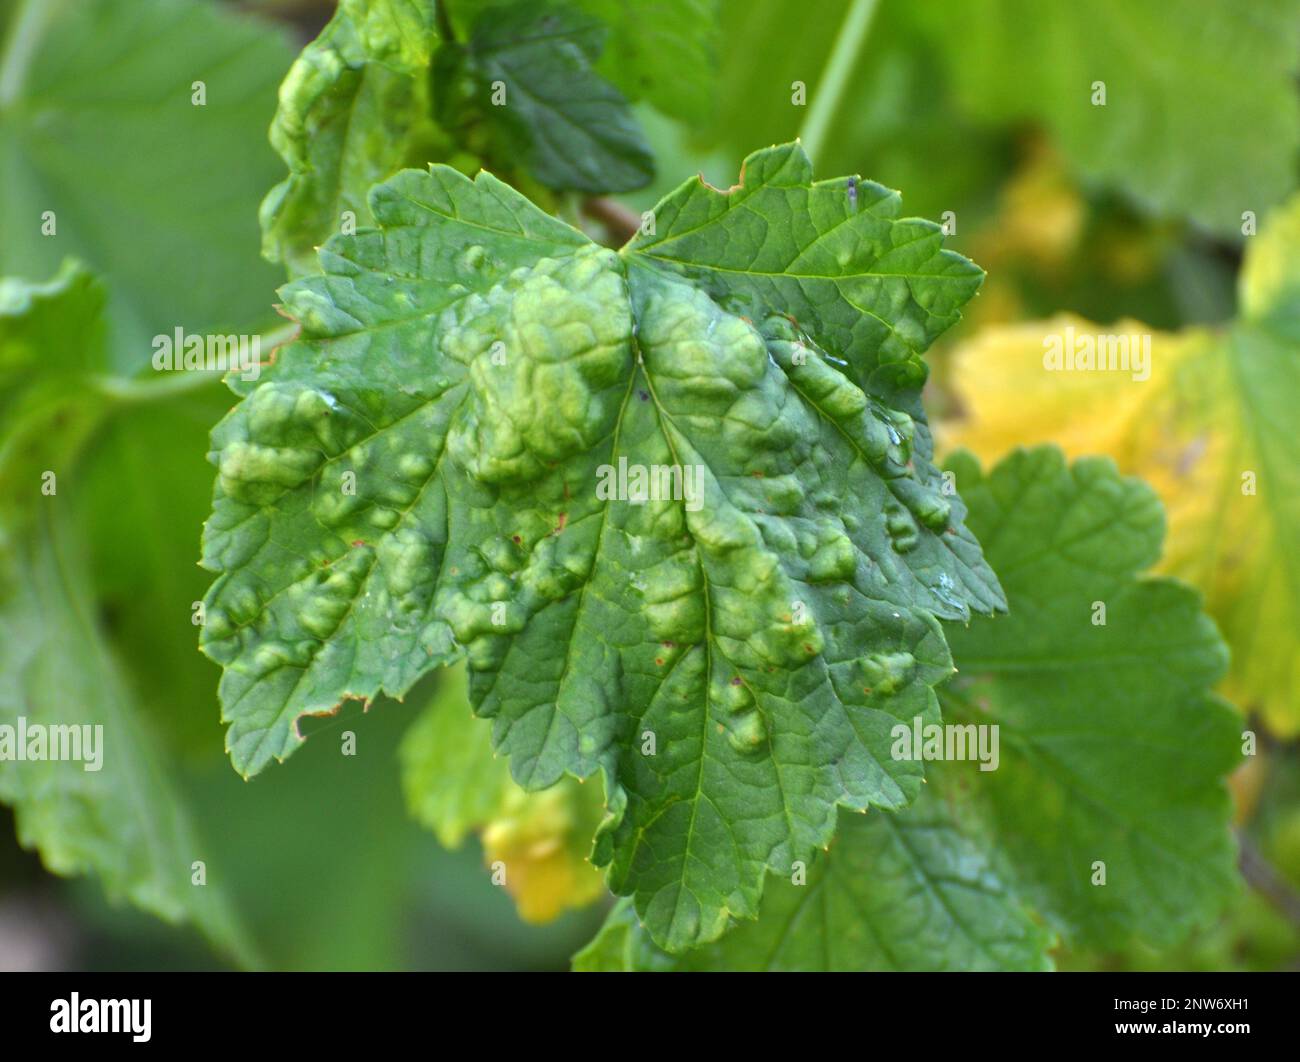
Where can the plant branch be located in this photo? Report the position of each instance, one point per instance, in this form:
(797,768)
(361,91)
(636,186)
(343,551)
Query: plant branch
(445,29)
(835,75)
(620,222)
(1263,877)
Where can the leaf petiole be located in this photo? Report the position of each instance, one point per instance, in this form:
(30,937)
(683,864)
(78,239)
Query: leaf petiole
(835,76)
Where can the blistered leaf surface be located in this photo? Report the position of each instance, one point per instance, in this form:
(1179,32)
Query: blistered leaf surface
(1103,815)
(354,109)
(446,463)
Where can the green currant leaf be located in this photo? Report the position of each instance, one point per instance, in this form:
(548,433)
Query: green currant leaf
(1113,750)
(664,53)
(526,77)
(131,137)
(354,109)
(47,380)
(107,805)
(381,89)
(1210,130)
(677,544)
(1105,810)
(872,288)
(125,821)
(905,891)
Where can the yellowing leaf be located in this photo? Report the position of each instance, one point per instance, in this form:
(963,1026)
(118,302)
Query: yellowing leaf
(1208,421)
(543,840)
(1009,397)
(454,785)
(1041,215)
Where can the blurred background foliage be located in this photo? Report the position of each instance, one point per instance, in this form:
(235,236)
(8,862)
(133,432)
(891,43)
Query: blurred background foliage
(978,112)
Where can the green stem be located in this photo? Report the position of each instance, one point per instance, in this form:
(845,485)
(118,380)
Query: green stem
(131,391)
(835,76)
(26,28)
(445,29)
(151,389)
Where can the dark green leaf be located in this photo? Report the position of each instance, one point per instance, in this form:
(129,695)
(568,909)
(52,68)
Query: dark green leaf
(527,75)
